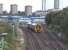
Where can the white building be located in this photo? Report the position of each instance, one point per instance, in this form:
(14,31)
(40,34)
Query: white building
(1,8)
(44,13)
(28,10)
(52,10)
(40,13)
(13,9)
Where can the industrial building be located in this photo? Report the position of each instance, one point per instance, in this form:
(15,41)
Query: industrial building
(1,8)
(44,12)
(56,4)
(28,10)
(13,9)
(40,13)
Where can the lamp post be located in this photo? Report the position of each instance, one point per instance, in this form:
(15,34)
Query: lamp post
(2,35)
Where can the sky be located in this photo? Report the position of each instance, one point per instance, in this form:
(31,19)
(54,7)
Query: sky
(36,4)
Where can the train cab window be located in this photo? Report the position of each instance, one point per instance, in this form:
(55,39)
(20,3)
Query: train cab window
(38,26)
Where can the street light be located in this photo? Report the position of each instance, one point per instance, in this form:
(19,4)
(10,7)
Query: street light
(2,35)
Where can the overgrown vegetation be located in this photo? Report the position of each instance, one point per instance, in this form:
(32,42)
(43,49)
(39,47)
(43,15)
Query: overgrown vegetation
(9,42)
(58,22)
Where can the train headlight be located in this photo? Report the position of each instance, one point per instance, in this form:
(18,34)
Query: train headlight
(33,24)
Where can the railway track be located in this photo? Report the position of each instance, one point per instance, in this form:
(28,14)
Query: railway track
(32,42)
(57,43)
(44,38)
(42,41)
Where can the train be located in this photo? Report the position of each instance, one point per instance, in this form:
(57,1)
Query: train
(36,28)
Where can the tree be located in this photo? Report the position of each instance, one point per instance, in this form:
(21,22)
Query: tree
(57,21)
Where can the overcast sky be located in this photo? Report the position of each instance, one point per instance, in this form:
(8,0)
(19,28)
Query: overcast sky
(36,4)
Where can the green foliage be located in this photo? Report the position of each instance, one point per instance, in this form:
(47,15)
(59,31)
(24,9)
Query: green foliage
(58,21)
(9,42)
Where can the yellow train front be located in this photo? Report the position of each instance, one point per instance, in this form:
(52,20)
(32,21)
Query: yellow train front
(35,28)
(38,28)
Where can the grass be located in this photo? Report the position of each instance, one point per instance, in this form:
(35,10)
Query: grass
(10,44)
(24,46)
(3,27)
(6,28)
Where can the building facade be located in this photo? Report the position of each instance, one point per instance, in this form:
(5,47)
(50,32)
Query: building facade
(40,13)
(13,9)
(28,10)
